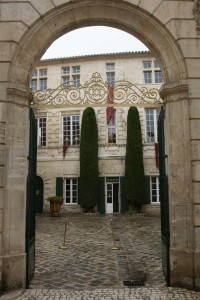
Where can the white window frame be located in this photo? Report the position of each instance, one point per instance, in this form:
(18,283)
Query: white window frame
(72,141)
(76,69)
(34,86)
(66,80)
(110,66)
(157,190)
(113,128)
(65,70)
(43,84)
(40,132)
(156,112)
(150,69)
(42,72)
(76,79)
(71,190)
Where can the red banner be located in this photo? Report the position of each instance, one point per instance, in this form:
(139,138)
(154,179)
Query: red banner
(110,111)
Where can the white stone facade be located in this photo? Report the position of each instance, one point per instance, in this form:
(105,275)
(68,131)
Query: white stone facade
(128,68)
(170,29)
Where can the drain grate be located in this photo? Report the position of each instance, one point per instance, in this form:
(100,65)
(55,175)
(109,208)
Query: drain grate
(133,283)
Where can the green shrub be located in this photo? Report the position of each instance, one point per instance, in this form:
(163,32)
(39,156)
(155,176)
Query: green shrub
(134,167)
(88,187)
(56,199)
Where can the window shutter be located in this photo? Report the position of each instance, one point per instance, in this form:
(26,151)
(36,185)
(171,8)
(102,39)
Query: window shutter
(59,186)
(124,202)
(147,192)
(101,196)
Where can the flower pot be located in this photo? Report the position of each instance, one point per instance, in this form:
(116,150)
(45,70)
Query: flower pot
(55,209)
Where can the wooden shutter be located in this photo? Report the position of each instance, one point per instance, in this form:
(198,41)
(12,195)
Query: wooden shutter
(101,196)
(147,191)
(59,186)
(124,202)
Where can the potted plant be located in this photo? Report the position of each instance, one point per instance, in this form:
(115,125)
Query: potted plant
(55,205)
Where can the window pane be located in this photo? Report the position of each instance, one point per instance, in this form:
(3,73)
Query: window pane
(43,84)
(148,76)
(156,65)
(110,66)
(76,69)
(71,130)
(158,77)
(34,74)
(43,72)
(76,80)
(110,77)
(65,70)
(34,85)
(66,80)
(41,122)
(155,197)
(147,64)
(71,190)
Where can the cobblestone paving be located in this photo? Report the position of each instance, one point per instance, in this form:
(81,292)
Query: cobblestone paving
(89,260)
(89,269)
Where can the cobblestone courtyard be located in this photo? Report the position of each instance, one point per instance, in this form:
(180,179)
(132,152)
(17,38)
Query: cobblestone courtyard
(89,269)
(89,261)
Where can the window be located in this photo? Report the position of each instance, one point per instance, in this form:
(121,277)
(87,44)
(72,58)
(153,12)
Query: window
(71,130)
(147,64)
(66,80)
(155,190)
(110,66)
(34,74)
(110,75)
(76,69)
(151,124)
(112,129)
(65,70)
(148,76)
(42,133)
(152,72)
(158,77)
(156,65)
(42,72)
(43,84)
(71,191)
(76,80)
(34,85)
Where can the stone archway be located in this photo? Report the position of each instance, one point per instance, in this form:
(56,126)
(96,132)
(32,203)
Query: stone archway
(168,29)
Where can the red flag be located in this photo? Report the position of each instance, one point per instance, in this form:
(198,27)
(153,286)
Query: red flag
(110,112)
(65,147)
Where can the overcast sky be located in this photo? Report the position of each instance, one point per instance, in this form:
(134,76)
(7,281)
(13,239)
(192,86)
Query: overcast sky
(93,40)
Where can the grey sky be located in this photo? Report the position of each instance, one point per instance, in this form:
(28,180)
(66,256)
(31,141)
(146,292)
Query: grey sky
(93,40)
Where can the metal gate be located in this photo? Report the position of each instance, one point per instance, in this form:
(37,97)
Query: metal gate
(30,205)
(164,201)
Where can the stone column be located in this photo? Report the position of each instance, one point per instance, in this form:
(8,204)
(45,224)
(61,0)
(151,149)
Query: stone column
(180,184)
(195,157)
(14,134)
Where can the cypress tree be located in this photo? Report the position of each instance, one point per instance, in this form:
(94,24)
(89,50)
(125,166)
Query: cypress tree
(88,188)
(134,167)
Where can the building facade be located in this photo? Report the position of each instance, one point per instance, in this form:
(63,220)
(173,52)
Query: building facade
(110,83)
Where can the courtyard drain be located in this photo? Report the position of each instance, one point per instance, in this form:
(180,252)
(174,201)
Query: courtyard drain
(133,283)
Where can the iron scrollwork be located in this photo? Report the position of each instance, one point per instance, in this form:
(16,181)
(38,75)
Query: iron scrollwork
(95,92)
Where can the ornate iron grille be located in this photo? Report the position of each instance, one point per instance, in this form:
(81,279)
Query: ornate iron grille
(96,92)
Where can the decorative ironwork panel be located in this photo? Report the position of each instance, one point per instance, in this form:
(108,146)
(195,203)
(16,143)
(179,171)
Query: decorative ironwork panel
(96,92)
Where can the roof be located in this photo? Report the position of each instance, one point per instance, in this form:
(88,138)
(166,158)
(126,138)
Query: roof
(97,55)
